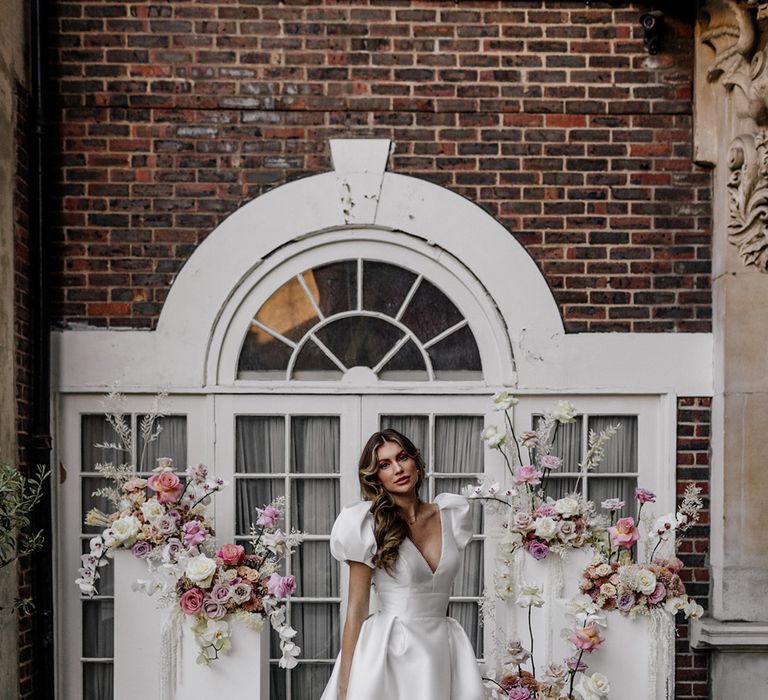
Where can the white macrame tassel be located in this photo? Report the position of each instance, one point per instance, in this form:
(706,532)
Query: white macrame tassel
(170,649)
(661,658)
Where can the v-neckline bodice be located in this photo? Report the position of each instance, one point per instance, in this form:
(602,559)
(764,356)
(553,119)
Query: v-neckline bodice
(442,545)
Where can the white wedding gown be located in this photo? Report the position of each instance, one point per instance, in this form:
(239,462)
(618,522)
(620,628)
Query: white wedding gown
(409,649)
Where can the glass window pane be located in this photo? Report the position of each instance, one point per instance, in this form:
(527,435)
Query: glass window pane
(316,571)
(567,443)
(621,449)
(467,615)
(309,680)
(601,488)
(260,447)
(359,341)
(334,286)
(98,681)
(430,312)
(318,629)
(469,580)
(559,486)
(313,364)
(264,355)
(407,364)
(172,442)
(445,484)
(94,430)
(415,428)
(278,689)
(458,447)
(456,357)
(99,625)
(385,286)
(88,484)
(315,444)
(314,505)
(289,311)
(252,494)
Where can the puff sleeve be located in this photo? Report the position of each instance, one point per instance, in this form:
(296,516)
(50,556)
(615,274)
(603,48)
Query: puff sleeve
(458,509)
(352,537)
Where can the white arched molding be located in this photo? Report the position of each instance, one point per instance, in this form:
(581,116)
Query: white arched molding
(359,203)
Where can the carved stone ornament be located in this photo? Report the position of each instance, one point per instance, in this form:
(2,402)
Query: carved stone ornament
(732,31)
(748,198)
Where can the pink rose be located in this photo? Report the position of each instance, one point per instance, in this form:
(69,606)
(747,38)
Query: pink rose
(624,533)
(268,516)
(527,474)
(167,486)
(192,601)
(231,554)
(519,694)
(134,484)
(586,638)
(658,594)
(281,586)
(194,533)
(538,550)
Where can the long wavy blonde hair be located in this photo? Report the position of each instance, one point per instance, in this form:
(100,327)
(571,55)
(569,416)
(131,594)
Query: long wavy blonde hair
(389,524)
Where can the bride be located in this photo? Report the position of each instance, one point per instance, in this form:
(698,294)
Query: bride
(410,551)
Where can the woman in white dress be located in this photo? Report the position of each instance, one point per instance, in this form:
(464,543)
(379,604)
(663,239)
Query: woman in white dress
(410,551)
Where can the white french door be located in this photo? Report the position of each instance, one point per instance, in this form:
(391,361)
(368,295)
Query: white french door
(306,448)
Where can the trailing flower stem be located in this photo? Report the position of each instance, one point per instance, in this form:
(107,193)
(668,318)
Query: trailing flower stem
(530,631)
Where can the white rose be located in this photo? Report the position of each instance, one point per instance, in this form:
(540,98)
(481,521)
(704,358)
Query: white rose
(152,510)
(565,412)
(124,530)
(530,596)
(200,570)
(594,687)
(503,400)
(546,528)
(567,507)
(645,581)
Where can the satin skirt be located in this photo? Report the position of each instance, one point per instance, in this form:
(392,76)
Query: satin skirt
(410,658)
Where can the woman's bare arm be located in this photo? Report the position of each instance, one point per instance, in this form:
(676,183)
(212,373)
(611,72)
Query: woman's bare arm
(358,602)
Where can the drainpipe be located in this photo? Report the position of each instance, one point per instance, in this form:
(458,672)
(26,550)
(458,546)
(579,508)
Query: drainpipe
(39,445)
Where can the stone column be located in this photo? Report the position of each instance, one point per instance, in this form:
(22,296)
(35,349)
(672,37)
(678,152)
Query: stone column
(12,48)
(732,135)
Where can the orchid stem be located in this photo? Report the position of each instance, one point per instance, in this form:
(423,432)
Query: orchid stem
(530,631)
(514,438)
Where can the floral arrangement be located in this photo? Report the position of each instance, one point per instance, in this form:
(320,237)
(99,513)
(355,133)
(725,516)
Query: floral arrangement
(231,585)
(163,520)
(171,518)
(616,579)
(559,680)
(633,587)
(535,522)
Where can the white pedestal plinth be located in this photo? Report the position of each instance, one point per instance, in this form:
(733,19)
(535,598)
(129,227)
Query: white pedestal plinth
(559,578)
(138,622)
(637,657)
(243,671)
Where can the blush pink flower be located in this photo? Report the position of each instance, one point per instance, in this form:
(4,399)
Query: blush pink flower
(519,694)
(268,516)
(645,496)
(586,638)
(624,533)
(527,474)
(167,486)
(192,601)
(231,554)
(281,586)
(194,533)
(658,594)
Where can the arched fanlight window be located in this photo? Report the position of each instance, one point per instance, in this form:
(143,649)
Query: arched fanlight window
(370,316)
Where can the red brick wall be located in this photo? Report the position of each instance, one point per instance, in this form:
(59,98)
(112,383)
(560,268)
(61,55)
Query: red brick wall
(693,431)
(23,363)
(549,115)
